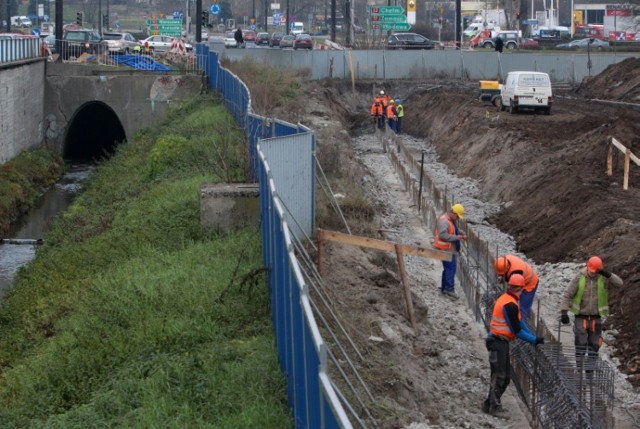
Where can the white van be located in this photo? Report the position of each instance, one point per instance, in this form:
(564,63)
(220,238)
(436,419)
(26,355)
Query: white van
(526,90)
(21,21)
(475,27)
(297,28)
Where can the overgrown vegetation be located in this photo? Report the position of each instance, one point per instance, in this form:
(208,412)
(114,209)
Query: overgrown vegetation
(24,179)
(119,320)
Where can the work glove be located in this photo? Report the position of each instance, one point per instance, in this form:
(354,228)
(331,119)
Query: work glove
(564,318)
(605,274)
(539,341)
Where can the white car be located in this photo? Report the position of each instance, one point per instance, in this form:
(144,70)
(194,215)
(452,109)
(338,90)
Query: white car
(230,40)
(120,43)
(161,43)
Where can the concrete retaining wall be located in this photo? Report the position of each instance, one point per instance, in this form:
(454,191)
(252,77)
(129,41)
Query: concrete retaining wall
(21,107)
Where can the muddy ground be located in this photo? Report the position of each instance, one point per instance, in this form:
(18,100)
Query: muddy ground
(543,179)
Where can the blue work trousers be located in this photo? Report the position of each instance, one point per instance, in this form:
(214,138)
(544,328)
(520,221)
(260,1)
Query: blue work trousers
(449,274)
(526,301)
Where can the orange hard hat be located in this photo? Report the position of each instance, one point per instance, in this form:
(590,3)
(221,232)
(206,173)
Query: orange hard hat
(516,281)
(594,264)
(501,265)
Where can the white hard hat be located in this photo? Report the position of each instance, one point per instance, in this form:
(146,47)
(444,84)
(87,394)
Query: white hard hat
(381,92)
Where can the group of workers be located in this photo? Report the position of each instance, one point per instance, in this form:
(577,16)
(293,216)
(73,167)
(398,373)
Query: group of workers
(389,110)
(586,297)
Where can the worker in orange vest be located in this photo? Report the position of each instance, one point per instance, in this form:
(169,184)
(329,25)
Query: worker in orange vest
(447,237)
(508,265)
(385,98)
(505,326)
(391,115)
(377,112)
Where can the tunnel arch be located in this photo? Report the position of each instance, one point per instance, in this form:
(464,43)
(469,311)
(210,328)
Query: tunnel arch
(94,131)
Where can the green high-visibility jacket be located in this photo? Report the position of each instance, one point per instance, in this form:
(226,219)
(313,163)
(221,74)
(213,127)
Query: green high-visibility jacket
(603,296)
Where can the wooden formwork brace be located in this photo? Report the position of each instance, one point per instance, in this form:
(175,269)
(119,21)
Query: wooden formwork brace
(387,246)
(628,156)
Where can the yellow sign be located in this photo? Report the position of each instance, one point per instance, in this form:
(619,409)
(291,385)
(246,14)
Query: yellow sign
(252,20)
(411,5)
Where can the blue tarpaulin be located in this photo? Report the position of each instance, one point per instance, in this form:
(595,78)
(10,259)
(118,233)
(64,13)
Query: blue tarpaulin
(140,62)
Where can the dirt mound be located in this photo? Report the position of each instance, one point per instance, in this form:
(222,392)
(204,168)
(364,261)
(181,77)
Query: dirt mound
(619,82)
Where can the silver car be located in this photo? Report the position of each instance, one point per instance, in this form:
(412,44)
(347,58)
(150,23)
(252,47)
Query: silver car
(161,43)
(120,43)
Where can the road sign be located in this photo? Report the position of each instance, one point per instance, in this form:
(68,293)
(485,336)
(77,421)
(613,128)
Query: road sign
(388,18)
(167,27)
(214,9)
(395,26)
(387,10)
(530,22)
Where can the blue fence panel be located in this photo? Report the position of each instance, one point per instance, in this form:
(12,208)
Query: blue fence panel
(301,351)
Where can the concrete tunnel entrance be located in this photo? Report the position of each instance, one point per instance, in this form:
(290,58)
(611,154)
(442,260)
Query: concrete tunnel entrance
(93,133)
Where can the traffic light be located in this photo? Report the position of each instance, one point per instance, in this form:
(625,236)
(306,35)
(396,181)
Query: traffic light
(105,21)
(518,15)
(205,18)
(79,18)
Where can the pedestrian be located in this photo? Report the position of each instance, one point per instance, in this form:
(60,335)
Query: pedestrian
(505,326)
(447,237)
(587,296)
(399,115)
(391,115)
(508,265)
(238,36)
(499,44)
(377,112)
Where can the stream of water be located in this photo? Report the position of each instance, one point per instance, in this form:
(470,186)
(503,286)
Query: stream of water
(36,223)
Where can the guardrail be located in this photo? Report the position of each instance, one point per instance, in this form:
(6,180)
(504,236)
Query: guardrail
(20,49)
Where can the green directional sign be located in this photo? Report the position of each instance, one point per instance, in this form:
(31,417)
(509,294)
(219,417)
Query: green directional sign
(375,19)
(397,26)
(387,10)
(167,27)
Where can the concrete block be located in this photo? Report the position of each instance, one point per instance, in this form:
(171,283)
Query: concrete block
(229,206)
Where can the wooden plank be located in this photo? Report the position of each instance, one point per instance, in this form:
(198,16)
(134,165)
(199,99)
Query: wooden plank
(610,159)
(622,148)
(627,157)
(387,246)
(407,289)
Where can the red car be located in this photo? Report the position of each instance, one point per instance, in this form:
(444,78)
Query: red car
(528,43)
(249,36)
(303,41)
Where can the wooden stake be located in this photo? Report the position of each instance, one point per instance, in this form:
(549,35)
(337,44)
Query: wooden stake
(610,159)
(320,250)
(627,158)
(407,289)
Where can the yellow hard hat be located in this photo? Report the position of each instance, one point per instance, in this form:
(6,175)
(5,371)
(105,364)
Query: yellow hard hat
(458,209)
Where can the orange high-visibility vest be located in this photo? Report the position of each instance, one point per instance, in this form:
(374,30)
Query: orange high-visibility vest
(517,265)
(439,244)
(376,108)
(499,325)
(390,113)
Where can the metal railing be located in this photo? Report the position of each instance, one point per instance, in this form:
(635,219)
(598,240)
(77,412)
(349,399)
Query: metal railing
(20,49)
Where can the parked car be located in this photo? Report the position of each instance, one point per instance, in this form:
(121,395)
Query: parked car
(275,39)
(50,41)
(411,41)
(120,43)
(78,42)
(287,41)
(303,41)
(509,40)
(249,36)
(528,43)
(262,38)
(591,44)
(230,39)
(161,43)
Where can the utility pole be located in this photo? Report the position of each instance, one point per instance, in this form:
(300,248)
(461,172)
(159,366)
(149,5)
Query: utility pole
(333,20)
(198,21)
(266,12)
(100,17)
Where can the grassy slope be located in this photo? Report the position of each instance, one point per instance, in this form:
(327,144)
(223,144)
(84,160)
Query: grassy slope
(120,321)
